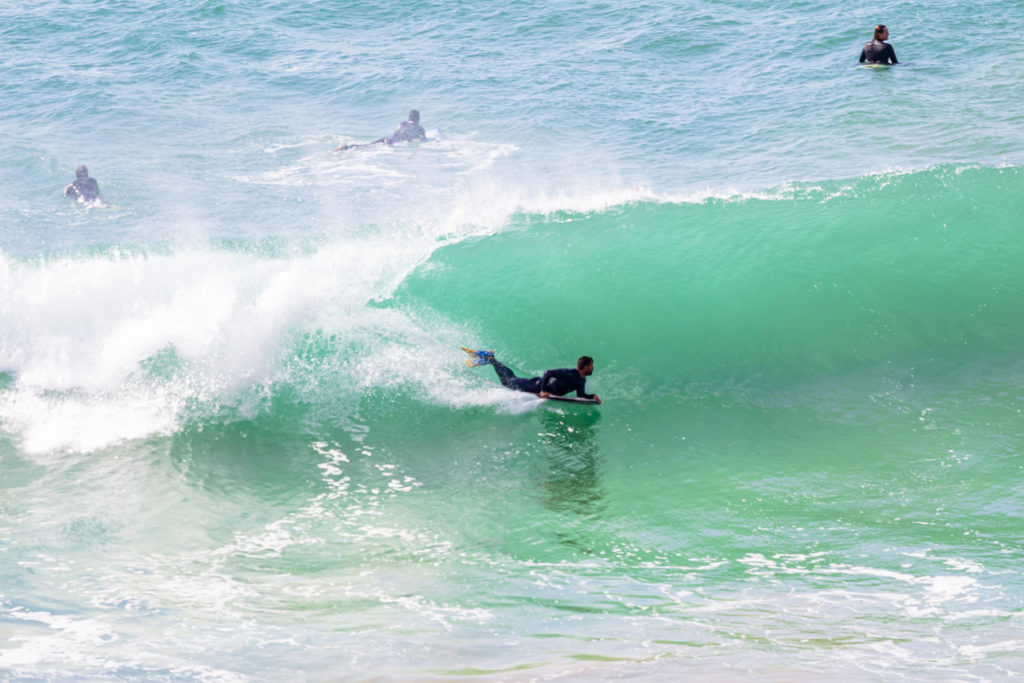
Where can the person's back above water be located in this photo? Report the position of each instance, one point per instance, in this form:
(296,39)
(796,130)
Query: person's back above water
(409,130)
(878,51)
(405,132)
(84,188)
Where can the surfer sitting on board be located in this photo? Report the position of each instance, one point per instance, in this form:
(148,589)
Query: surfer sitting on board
(554,382)
(406,131)
(878,51)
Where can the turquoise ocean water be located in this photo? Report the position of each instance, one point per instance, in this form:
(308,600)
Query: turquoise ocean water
(237,437)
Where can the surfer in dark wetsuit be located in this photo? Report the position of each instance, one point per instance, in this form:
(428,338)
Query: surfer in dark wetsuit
(878,51)
(84,188)
(556,382)
(405,132)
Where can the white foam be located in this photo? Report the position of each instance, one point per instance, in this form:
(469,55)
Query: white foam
(83,338)
(120,345)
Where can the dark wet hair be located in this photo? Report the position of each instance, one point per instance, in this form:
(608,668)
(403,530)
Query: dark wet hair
(414,116)
(583,362)
(878,31)
(82,172)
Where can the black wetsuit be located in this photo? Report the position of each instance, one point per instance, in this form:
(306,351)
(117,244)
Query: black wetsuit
(86,189)
(407,130)
(558,382)
(878,52)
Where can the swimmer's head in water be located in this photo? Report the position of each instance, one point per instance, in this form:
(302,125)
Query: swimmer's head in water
(414,116)
(82,172)
(881,32)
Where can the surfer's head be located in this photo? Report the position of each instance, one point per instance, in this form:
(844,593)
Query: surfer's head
(414,116)
(81,172)
(585,364)
(881,32)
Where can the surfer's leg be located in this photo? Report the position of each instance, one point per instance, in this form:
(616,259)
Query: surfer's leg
(530,385)
(509,379)
(381,141)
(504,374)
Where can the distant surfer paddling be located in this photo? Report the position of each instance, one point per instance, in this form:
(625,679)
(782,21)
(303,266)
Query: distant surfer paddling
(878,51)
(406,131)
(554,382)
(84,188)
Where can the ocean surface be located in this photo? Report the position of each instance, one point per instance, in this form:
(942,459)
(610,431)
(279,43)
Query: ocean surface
(238,441)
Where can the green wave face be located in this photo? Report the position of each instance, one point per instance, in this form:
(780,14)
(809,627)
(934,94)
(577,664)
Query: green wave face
(810,280)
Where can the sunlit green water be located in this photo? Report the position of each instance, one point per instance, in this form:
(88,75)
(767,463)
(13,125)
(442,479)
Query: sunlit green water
(237,437)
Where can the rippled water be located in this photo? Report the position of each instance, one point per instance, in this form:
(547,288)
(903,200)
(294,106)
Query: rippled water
(237,437)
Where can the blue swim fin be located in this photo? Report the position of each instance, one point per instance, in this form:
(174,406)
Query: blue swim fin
(479,357)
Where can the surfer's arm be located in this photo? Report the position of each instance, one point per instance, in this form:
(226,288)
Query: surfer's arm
(583,394)
(544,382)
(581,385)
